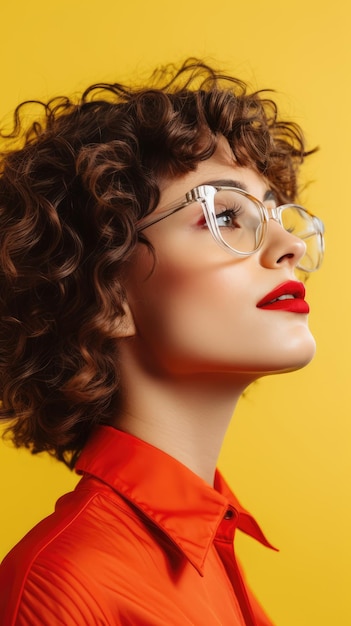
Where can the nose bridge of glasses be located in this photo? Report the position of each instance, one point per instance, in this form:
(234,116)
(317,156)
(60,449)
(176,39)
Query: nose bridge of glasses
(272,213)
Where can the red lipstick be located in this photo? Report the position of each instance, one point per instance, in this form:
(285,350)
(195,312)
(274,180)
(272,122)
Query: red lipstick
(289,296)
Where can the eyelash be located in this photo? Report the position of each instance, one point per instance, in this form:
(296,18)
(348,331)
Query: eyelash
(232,213)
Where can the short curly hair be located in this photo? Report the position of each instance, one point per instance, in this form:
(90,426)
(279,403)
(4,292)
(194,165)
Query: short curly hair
(71,192)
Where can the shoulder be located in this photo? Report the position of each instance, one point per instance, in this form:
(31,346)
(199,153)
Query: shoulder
(55,568)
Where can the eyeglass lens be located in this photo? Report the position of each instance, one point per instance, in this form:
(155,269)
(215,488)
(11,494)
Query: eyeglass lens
(240,221)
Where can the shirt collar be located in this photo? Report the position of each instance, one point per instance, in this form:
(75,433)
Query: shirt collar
(180,503)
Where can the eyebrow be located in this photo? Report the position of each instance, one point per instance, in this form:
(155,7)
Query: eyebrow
(228,182)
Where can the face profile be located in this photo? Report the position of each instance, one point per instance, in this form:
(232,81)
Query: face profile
(152,260)
(200,304)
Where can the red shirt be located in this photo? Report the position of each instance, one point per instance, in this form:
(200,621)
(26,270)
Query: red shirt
(141,540)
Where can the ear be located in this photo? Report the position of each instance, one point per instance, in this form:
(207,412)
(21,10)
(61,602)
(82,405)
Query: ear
(125,326)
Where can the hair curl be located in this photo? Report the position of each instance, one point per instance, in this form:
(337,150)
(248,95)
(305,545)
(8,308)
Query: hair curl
(70,196)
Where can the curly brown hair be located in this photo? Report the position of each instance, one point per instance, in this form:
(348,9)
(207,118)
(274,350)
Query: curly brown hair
(70,197)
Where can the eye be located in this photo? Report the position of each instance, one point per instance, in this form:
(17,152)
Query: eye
(229,218)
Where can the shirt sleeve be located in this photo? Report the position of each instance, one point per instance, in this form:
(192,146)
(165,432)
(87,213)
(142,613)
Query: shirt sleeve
(49,597)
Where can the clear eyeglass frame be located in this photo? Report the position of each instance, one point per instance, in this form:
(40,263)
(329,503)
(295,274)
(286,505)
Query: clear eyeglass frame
(205,195)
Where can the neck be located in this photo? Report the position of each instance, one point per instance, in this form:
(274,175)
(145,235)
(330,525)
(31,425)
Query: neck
(186,417)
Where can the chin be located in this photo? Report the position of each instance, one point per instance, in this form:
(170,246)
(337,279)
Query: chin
(296,359)
(287,356)
(301,349)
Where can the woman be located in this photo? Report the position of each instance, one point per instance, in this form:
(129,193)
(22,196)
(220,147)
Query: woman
(149,242)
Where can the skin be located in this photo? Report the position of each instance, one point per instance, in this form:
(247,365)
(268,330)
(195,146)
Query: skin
(193,338)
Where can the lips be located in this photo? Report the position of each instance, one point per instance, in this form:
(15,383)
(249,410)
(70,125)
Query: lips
(289,296)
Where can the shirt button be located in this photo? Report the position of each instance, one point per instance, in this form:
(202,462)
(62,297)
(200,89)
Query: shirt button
(228,514)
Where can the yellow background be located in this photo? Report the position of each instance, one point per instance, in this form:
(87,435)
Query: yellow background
(287,453)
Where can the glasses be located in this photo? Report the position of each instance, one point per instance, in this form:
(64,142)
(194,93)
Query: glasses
(238,221)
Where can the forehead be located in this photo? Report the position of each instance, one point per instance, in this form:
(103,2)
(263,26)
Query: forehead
(220,168)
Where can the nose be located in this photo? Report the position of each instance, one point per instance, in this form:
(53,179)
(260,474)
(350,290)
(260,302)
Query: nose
(280,247)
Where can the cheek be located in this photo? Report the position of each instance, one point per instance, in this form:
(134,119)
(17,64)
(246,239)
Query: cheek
(190,311)
(199,314)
